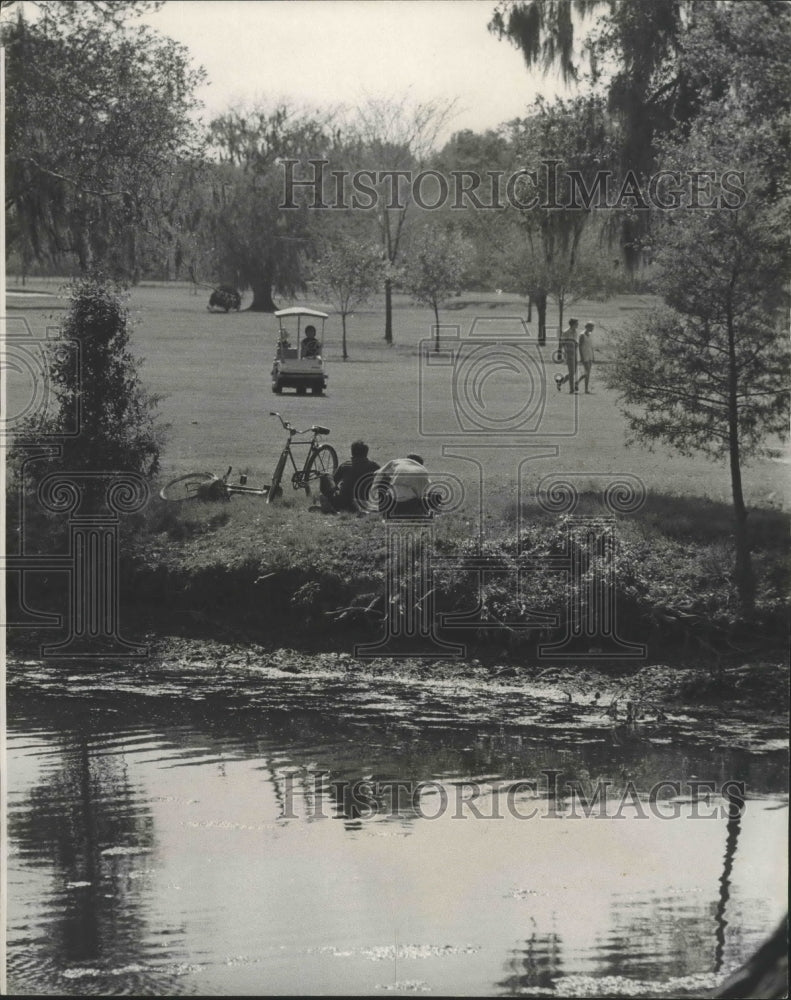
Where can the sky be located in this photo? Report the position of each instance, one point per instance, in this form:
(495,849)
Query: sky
(339,52)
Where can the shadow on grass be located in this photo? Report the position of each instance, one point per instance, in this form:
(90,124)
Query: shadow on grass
(482,304)
(703,520)
(16,307)
(683,519)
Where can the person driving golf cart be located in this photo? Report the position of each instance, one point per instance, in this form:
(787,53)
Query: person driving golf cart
(300,366)
(310,347)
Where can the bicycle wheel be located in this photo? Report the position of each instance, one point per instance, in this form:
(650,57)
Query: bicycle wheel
(323,460)
(186,487)
(275,489)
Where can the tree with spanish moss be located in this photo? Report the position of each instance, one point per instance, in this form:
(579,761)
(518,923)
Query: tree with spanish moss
(98,116)
(258,243)
(628,51)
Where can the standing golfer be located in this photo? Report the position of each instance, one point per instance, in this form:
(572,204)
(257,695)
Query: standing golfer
(586,356)
(568,346)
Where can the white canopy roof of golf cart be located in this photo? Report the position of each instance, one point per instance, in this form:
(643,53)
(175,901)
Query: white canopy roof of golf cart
(299,311)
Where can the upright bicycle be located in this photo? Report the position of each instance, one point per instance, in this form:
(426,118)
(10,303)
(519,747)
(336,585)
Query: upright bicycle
(321,459)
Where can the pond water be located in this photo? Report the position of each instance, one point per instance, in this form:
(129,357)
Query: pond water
(178,844)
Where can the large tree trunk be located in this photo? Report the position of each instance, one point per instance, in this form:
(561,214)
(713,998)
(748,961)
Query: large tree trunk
(744,576)
(343,327)
(541,309)
(560,312)
(262,295)
(388,311)
(84,252)
(436,328)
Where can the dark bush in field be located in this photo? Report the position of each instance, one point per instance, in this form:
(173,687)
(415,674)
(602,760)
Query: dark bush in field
(226,297)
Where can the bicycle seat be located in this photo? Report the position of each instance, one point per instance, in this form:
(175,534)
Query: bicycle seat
(320,430)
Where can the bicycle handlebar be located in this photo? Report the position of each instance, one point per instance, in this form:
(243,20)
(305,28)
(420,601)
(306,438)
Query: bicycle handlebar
(293,430)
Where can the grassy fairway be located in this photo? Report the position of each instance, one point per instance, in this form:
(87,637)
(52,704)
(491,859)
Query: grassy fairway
(212,370)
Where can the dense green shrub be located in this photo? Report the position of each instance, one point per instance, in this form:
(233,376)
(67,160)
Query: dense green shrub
(97,389)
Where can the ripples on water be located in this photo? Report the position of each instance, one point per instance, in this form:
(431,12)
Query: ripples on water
(166,846)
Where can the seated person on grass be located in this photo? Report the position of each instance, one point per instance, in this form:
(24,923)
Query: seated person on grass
(403,488)
(348,489)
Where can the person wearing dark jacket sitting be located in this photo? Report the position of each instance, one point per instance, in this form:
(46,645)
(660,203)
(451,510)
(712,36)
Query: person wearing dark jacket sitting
(348,489)
(310,347)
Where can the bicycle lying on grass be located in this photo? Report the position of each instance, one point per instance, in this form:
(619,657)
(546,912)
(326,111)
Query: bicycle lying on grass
(207,486)
(320,459)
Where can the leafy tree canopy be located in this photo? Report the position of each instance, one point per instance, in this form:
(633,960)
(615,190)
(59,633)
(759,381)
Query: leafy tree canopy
(435,267)
(98,112)
(711,373)
(346,271)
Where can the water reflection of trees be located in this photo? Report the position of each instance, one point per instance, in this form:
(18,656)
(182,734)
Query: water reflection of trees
(534,966)
(303,732)
(734,828)
(350,745)
(417,737)
(87,804)
(646,932)
(84,806)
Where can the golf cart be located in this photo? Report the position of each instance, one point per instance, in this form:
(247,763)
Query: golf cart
(298,362)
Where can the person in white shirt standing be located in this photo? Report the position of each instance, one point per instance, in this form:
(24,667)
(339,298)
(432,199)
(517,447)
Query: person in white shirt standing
(585,347)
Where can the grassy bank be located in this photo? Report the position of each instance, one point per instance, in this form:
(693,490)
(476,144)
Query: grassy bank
(290,570)
(288,575)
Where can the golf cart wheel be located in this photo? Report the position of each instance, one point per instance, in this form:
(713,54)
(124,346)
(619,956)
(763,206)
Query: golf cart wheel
(277,388)
(317,390)
(301,390)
